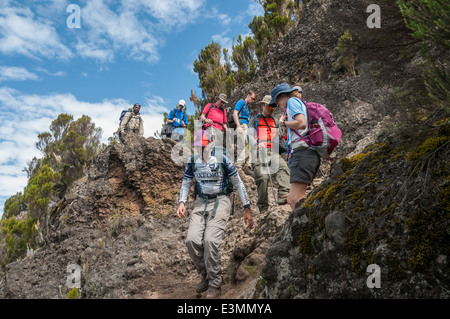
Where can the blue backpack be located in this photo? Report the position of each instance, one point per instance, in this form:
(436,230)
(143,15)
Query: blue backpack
(123,114)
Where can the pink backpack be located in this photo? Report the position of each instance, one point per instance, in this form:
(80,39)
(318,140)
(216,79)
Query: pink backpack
(324,135)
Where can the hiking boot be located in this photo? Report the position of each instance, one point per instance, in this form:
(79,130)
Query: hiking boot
(213,293)
(202,286)
(282,201)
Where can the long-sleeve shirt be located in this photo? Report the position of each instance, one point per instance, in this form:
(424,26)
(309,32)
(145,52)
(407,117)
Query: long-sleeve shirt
(209,178)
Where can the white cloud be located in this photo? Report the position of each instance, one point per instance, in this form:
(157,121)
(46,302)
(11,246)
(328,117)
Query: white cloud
(224,19)
(173,13)
(90,50)
(224,40)
(14,73)
(132,28)
(24,34)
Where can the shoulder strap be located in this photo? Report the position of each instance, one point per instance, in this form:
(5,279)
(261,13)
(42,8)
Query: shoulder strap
(257,123)
(129,118)
(174,112)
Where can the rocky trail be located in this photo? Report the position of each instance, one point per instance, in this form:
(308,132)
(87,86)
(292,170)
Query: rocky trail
(240,279)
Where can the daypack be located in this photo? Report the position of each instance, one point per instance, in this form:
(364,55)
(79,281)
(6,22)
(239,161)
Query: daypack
(230,119)
(281,142)
(221,166)
(123,114)
(324,135)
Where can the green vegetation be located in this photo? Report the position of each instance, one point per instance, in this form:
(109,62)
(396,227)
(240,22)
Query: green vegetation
(68,148)
(347,54)
(73,294)
(15,235)
(430,20)
(248,53)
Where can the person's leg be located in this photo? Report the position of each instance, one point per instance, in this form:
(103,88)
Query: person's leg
(194,238)
(296,193)
(262,182)
(282,177)
(214,232)
(242,146)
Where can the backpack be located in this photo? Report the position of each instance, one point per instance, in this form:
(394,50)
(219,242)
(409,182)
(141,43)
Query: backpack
(123,114)
(324,135)
(227,190)
(230,119)
(281,142)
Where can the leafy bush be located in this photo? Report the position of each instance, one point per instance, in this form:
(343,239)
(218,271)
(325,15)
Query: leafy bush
(15,235)
(429,20)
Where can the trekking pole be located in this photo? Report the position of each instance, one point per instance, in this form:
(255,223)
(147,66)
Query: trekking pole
(322,173)
(270,177)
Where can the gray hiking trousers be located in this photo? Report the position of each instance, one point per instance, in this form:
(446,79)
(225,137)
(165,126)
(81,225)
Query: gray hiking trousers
(205,235)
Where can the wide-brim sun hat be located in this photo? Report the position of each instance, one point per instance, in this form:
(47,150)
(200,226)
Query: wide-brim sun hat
(266,100)
(223,97)
(201,138)
(279,89)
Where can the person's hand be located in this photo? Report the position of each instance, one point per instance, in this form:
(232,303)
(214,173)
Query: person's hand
(248,218)
(240,130)
(282,119)
(182,123)
(209,121)
(181,210)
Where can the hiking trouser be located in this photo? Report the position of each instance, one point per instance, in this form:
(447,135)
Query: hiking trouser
(205,234)
(242,145)
(280,169)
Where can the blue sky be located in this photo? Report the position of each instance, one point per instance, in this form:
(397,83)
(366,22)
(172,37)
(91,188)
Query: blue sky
(124,52)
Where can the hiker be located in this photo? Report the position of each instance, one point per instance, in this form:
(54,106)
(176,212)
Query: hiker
(264,134)
(304,162)
(179,120)
(213,181)
(297,92)
(241,116)
(215,118)
(132,121)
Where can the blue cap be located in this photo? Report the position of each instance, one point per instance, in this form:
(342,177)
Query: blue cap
(280,88)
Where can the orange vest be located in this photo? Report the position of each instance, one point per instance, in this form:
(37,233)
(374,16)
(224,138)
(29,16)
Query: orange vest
(263,130)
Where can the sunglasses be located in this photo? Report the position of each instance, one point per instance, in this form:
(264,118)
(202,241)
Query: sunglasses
(271,107)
